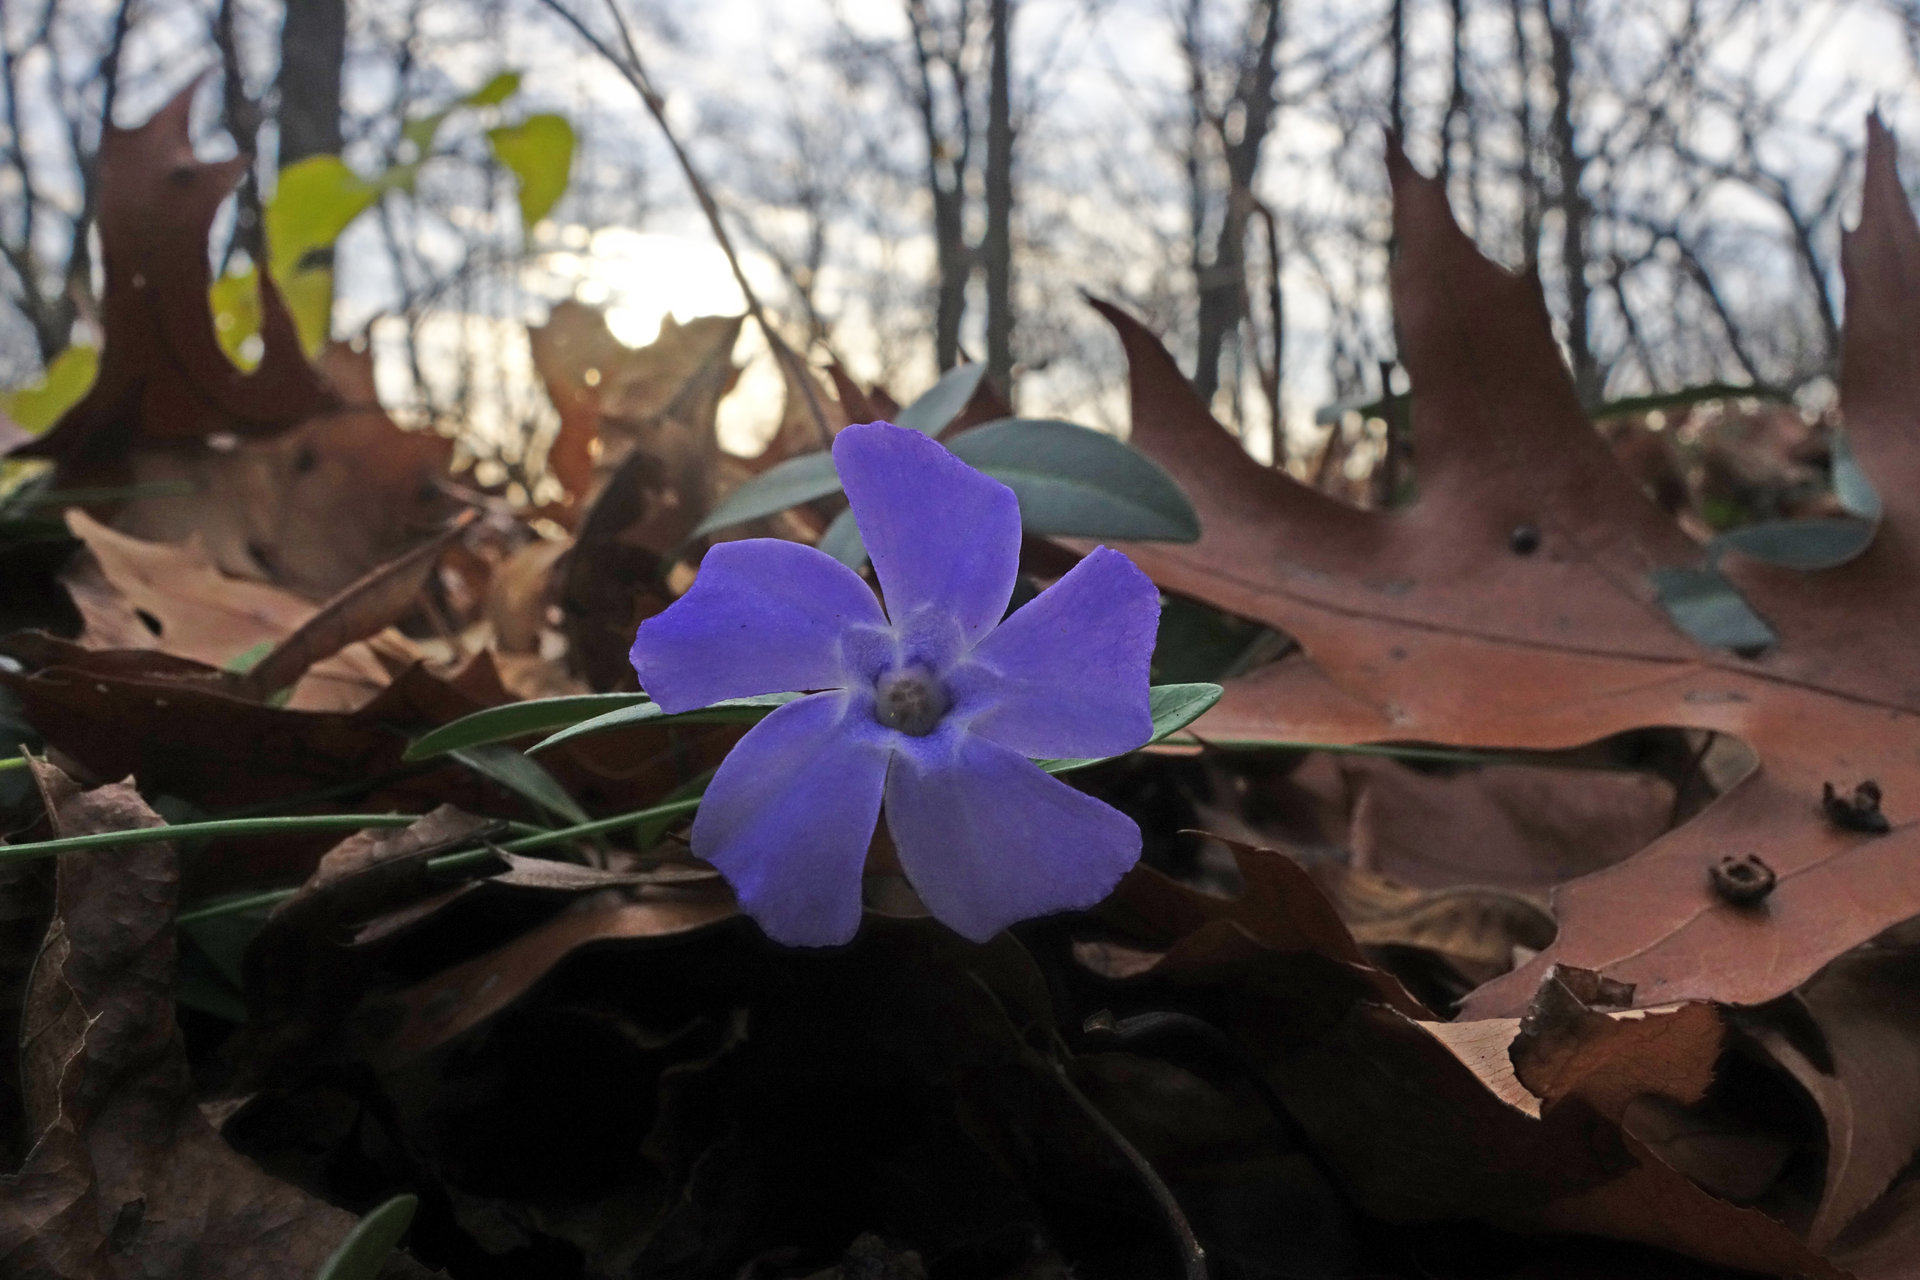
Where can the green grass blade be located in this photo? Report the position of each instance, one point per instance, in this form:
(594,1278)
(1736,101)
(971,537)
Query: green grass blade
(732,711)
(517,720)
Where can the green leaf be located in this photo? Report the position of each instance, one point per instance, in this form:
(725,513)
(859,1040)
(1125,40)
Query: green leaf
(366,1249)
(1075,482)
(940,404)
(39,405)
(539,150)
(1175,706)
(1702,603)
(731,711)
(803,479)
(842,541)
(1850,483)
(313,202)
(517,720)
(422,130)
(525,778)
(495,91)
(1800,544)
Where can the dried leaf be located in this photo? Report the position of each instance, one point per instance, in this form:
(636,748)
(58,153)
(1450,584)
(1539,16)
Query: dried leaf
(1864,1006)
(173,599)
(162,373)
(126,1177)
(468,994)
(1442,623)
(368,605)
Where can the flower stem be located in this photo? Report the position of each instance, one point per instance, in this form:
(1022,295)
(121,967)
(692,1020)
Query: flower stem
(465,858)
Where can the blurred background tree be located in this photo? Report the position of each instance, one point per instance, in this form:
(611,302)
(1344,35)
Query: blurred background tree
(914,183)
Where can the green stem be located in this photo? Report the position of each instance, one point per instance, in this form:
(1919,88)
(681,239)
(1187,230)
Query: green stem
(207,830)
(467,858)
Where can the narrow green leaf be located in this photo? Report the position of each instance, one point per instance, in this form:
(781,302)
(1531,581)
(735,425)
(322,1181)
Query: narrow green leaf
(1076,482)
(642,819)
(732,711)
(1175,706)
(842,541)
(526,778)
(803,479)
(1850,482)
(517,720)
(39,405)
(366,1249)
(1705,605)
(940,404)
(1800,544)
(539,150)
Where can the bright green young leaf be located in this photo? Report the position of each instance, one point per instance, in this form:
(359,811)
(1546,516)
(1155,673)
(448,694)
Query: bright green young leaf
(803,479)
(942,403)
(366,1249)
(539,150)
(312,204)
(517,720)
(1075,482)
(39,405)
(495,91)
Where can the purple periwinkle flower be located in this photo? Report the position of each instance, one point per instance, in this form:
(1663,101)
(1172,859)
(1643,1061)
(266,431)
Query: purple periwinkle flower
(932,706)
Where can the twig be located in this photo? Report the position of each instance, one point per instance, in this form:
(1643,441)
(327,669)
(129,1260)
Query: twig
(635,73)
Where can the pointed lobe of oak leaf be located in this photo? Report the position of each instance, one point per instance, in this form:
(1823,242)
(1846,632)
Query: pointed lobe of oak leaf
(1440,623)
(162,373)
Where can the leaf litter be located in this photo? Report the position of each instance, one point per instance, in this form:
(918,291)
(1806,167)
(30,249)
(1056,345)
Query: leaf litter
(1479,1009)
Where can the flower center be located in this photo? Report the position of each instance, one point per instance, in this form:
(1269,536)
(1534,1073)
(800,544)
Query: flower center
(911,700)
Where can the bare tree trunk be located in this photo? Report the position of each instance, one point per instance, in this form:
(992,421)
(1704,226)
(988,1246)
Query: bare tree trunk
(1457,91)
(1576,212)
(1397,49)
(947,163)
(1222,283)
(313,52)
(999,182)
(1529,170)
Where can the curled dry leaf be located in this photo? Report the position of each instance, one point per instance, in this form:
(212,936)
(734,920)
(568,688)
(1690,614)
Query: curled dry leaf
(1278,909)
(1436,623)
(302,981)
(125,1176)
(1864,1006)
(1508,1120)
(614,399)
(468,994)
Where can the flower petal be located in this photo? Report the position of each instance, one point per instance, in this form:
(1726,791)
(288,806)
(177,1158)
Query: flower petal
(763,616)
(1066,675)
(987,837)
(788,818)
(941,534)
